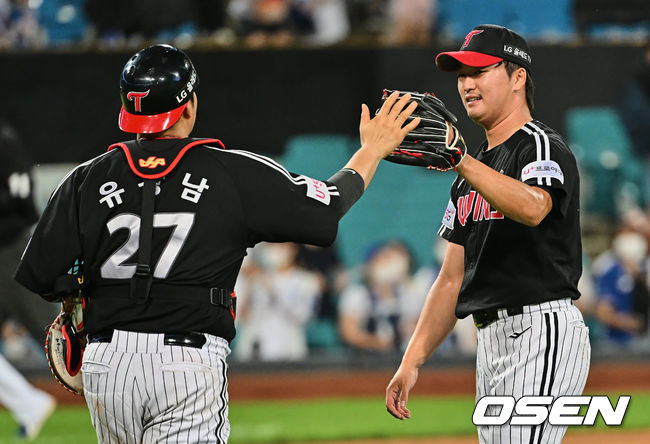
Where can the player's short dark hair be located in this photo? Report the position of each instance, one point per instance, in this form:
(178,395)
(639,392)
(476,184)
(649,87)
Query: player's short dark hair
(530,86)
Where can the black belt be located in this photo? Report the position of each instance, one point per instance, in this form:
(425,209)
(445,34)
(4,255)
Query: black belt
(196,340)
(484,318)
(215,296)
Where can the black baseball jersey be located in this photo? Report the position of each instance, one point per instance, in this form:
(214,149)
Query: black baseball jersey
(211,205)
(508,264)
(17,211)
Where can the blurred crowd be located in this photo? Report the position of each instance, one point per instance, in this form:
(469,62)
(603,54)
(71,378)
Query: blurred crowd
(253,23)
(33,24)
(296,300)
(615,289)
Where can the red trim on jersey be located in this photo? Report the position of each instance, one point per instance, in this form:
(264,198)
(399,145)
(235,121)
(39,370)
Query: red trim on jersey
(171,166)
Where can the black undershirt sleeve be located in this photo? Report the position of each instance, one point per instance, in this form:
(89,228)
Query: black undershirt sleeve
(350,185)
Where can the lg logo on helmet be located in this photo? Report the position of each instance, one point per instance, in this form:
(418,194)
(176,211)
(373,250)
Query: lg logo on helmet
(189,87)
(137,98)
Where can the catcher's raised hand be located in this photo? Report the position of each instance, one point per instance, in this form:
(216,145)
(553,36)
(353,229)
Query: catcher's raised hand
(384,132)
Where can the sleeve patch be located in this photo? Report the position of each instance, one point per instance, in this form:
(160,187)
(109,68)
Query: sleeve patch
(542,169)
(450,215)
(317,190)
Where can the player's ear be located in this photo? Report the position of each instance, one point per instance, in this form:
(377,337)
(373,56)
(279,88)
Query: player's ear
(520,76)
(190,110)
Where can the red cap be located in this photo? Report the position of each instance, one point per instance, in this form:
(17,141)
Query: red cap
(449,61)
(147,124)
(486,45)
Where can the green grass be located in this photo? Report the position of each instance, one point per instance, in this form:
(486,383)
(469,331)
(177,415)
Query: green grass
(347,419)
(332,419)
(68,425)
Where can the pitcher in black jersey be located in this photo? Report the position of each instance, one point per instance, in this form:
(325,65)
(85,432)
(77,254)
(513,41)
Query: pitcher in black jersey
(161,225)
(514,255)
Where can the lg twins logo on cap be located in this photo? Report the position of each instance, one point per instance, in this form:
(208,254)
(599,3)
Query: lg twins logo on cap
(137,98)
(469,36)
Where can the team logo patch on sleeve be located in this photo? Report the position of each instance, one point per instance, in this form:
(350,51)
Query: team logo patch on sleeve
(450,215)
(317,190)
(542,168)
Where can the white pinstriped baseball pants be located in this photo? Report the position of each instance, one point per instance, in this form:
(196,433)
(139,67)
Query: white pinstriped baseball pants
(548,355)
(139,390)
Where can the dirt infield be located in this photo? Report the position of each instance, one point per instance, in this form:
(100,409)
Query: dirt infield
(603,378)
(622,437)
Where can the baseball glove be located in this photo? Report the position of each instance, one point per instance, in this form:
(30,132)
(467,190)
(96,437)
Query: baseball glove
(427,145)
(66,342)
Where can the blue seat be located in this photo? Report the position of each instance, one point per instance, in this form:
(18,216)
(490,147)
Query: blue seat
(322,334)
(402,202)
(318,155)
(602,146)
(548,19)
(63,20)
(457,17)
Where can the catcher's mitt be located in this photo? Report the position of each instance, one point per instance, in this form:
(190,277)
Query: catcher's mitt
(65,344)
(427,145)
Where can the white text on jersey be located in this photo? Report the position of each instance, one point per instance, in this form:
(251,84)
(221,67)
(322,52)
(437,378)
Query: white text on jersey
(193,192)
(111,194)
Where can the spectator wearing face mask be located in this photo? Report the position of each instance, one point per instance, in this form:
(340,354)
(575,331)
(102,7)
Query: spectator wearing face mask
(276,299)
(371,314)
(621,283)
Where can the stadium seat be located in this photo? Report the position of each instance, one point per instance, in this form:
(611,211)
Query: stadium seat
(602,146)
(317,155)
(403,203)
(550,19)
(63,20)
(322,334)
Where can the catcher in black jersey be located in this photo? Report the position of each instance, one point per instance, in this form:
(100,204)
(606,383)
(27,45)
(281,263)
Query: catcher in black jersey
(161,224)
(514,254)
